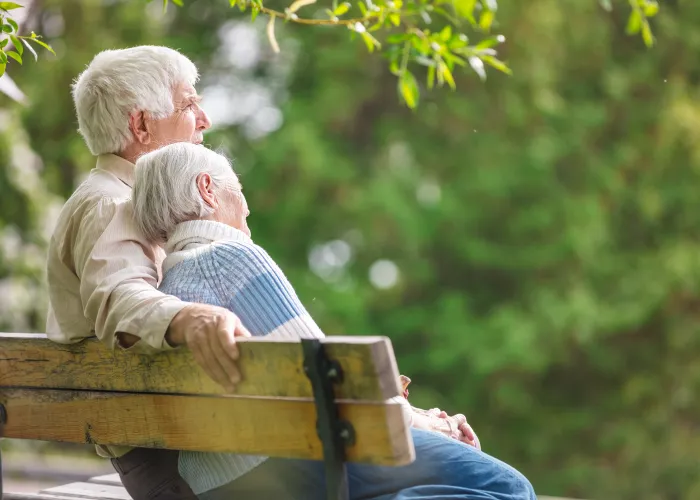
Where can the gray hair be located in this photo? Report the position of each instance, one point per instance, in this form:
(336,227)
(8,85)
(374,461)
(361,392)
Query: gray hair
(165,189)
(118,82)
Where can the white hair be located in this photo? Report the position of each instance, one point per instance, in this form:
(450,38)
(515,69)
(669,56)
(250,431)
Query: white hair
(118,82)
(165,189)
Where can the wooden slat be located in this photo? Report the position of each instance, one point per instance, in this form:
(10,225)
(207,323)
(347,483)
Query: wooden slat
(87,490)
(274,427)
(108,479)
(34,496)
(114,480)
(269,367)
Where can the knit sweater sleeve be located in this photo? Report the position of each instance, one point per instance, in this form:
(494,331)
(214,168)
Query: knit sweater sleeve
(257,291)
(253,287)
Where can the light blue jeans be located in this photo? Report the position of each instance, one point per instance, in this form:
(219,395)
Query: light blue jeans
(444,469)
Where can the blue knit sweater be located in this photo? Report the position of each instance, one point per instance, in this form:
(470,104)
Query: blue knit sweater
(213,263)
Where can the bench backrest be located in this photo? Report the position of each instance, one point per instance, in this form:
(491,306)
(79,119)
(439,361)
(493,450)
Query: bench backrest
(86,393)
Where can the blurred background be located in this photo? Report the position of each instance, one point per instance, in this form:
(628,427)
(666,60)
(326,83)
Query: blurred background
(530,244)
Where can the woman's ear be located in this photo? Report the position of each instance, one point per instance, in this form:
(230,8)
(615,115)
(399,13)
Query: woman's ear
(138,124)
(205,186)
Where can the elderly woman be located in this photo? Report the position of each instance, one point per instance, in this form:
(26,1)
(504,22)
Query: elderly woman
(189,199)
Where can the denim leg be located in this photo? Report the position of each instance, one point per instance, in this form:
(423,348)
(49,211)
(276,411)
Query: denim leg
(444,469)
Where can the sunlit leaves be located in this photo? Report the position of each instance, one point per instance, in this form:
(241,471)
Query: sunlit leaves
(10,29)
(638,21)
(405,31)
(6,6)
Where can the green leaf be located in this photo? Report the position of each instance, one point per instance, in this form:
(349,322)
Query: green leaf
(370,41)
(14,55)
(10,5)
(3,57)
(12,23)
(446,74)
(2,69)
(486,20)
(18,45)
(490,42)
(363,9)
(45,45)
(31,49)
(634,23)
(408,88)
(651,9)
(446,33)
(394,67)
(452,59)
(178,3)
(165,5)
(6,28)
(254,11)
(647,35)
(495,63)
(431,76)
(395,18)
(342,9)
(3,42)
(465,9)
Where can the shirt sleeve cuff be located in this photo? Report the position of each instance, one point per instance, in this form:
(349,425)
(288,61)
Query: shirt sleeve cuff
(154,328)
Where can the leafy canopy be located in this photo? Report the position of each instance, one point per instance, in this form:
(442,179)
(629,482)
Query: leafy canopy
(437,35)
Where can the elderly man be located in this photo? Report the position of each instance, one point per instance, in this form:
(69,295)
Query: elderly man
(188,198)
(102,273)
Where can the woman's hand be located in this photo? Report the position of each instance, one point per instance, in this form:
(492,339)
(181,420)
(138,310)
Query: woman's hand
(437,420)
(455,427)
(465,432)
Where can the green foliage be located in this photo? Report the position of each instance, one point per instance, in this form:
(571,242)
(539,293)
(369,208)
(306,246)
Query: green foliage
(10,29)
(412,34)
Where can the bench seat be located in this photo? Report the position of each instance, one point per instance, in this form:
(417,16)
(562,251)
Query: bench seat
(107,487)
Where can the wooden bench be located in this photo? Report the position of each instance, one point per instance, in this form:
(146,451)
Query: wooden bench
(108,487)
(86,393)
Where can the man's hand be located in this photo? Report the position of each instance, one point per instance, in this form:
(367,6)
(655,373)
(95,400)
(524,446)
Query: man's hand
(209,332)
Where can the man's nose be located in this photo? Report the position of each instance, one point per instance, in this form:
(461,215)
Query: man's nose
(203,122)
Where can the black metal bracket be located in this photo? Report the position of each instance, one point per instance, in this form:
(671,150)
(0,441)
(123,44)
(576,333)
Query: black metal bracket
(335,434)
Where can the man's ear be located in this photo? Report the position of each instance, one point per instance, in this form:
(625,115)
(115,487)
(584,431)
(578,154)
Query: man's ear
(138,124)
(205,186)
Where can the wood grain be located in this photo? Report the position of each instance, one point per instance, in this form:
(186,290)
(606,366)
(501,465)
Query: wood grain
(265,426)
(270,368)
(88,490)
